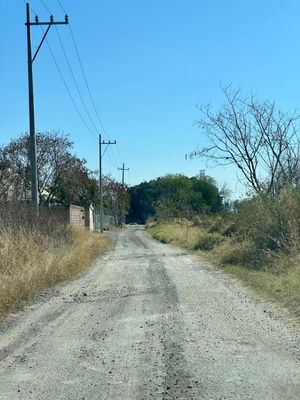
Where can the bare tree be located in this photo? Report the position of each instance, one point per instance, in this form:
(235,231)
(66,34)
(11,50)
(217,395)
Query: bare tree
(256,137)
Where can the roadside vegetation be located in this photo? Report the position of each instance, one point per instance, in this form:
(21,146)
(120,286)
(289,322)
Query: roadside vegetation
(258,242)
(37,253)
(63,178)
(256,239)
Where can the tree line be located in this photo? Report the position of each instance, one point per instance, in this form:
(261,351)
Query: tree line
(256,136)
(174,196)
(63,178)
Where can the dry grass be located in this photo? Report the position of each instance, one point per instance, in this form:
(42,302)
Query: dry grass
(185,235)
(276,279)
(32,261)
(179,234)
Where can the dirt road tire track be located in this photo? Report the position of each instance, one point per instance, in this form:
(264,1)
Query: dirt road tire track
(148,322)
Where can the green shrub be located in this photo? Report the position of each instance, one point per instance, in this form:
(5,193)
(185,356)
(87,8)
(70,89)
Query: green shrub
(223,224)
(272,223)
(207,241)
(241,252)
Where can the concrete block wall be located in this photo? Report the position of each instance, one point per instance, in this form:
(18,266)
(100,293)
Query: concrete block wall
(77,216)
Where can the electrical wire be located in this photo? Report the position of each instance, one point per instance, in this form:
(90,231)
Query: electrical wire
(71,72)
(86,81)
(83,72)
(68,90)
(61,6)
(113,162)
(75,82)
(61,74)
(45,5)
(89,90)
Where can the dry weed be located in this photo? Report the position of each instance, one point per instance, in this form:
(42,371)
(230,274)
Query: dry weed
(31,261)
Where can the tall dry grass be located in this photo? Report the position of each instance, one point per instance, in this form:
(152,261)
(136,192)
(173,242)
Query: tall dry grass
(185,234)
(259,244)
(36,254)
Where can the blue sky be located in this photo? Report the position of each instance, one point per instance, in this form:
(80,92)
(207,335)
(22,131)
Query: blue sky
(148,64)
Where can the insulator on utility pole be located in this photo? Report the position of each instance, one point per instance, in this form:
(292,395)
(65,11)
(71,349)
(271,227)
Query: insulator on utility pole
(123,200)
(32,133)
(101,142)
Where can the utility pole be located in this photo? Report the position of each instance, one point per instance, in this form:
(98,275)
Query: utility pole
(123,200)
(101,142)
(30,59)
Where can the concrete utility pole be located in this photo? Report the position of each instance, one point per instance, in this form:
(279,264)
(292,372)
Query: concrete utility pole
(101,142)
(34,180)
(123,200)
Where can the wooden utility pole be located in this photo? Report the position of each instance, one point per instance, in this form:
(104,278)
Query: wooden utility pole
(123,200)
(101,142)
(32,133)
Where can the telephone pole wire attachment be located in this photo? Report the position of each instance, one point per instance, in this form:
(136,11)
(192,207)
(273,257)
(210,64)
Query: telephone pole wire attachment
(101,142)
(123,199)
(32,133)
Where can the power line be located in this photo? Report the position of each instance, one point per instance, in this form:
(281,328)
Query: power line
(112,159)
(74,102)
(83,73)
(86,81)
(45,5)
(61,6)
(73,77)
(75,82)
(68,90)
(113,162)
(88,86)
(71,70)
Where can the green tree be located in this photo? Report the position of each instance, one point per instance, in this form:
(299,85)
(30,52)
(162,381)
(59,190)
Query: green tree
(174,196)
(62,177)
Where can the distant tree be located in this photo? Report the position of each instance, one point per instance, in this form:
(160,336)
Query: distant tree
(256,137)
(76,184)
(207,197)
(142,201)
(115,198)
(173,196)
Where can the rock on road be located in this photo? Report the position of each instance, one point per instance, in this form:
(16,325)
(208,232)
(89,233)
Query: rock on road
(148,322)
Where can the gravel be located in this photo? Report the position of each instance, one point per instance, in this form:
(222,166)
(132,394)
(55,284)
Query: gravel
(149,322)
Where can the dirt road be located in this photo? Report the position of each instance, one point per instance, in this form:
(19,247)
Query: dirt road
(148,322)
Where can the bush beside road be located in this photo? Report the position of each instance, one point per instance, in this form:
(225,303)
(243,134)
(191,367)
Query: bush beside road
(274,275)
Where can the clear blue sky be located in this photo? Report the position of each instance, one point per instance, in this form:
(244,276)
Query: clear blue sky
(148,63)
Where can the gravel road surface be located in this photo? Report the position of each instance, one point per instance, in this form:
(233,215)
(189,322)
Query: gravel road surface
(149,322)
